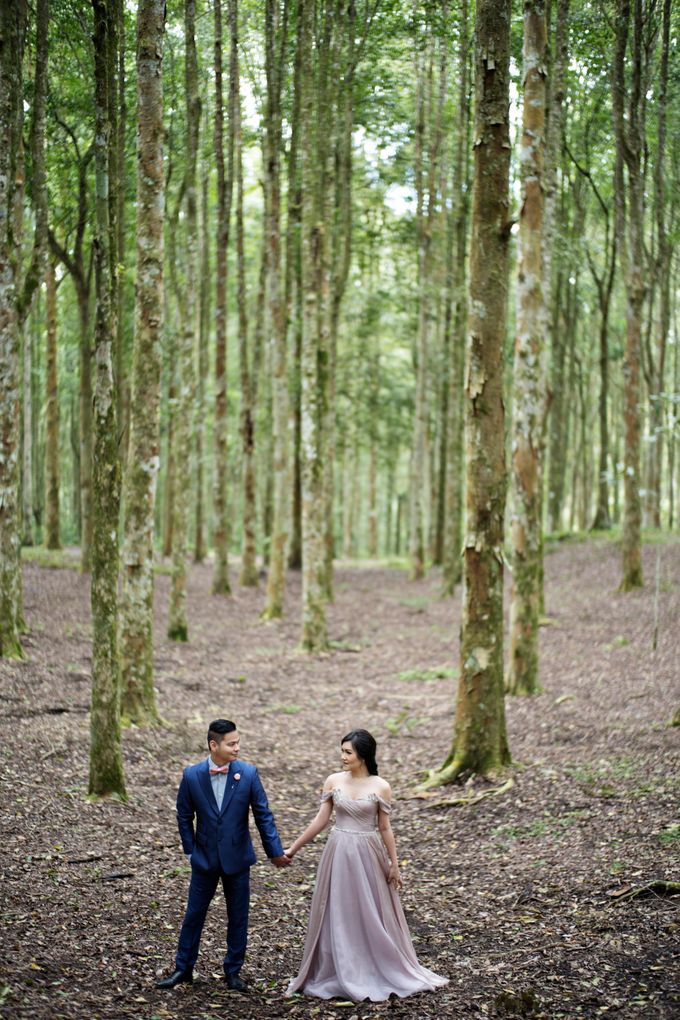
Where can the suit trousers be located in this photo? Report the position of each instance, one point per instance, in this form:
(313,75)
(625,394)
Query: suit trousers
(202,888)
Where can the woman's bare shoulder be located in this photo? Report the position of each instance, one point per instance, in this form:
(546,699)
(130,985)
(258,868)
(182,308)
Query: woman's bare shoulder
(333,781)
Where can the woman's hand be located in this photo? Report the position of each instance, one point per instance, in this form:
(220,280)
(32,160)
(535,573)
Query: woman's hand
(394,878)
(289,853)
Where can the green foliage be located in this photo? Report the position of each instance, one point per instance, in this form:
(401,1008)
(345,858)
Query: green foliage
(403,724)
(51,559)
(429,673)
(670,835)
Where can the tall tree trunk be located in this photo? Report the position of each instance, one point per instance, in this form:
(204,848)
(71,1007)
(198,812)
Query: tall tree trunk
(202,373)
(605,286)
(314,335)
(276,37)
(480,740)
(74,261)
(248,574)
(629,225)
(35,273)
(136,644)
(220,583)
(12,34)
(106,766)
(74,441)
(27,448)
(339,177)
(169,477)
(38,439)
(86,438)
(123,386)
(178,629)
(663,277)
(52,539)
(528,390)
(452,566)
(417,488)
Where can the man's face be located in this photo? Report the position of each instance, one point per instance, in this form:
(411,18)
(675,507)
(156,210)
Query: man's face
(226,749)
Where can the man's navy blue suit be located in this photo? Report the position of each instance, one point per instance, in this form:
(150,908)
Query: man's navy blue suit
(221,848)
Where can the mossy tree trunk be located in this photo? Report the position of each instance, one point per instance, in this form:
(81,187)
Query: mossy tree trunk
(76,263)
(313,113)
(106,766)
(225,177)
(52,538)
(178,628)
(202,375)
(276,31)
(480,740)
(629,225)
(419,452)
(529,383)
(657,359)
(248,573)
(136,644)
(556,63)
(12,36)
(37,267)
(347,43)
(293,308)
(456,324)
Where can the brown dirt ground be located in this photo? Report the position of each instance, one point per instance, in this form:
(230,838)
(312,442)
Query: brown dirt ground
(511,896)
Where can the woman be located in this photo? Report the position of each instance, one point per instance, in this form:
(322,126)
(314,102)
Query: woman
(358,944)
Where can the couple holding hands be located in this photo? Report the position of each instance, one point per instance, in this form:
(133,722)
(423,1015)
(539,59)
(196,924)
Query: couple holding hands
(358,944)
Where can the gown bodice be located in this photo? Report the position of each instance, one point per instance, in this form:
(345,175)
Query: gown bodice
(358,815)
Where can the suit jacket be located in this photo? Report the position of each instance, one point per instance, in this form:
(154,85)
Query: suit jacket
(220,840)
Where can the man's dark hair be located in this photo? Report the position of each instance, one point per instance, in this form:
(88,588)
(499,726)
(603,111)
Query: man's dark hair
(217,729)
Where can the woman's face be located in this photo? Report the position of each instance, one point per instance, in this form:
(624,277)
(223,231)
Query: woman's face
(350,759)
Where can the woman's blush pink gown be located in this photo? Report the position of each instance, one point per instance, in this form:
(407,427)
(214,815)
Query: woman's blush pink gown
(358,944)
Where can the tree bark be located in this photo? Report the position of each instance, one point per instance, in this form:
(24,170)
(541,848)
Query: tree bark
(52,538)
(178,628)
(452,565)
(220,583)
(248,574)
(202,374)
(629,225)
(293,309)
(136,644)
(663,279)
(314,333)
(528,390)
(106,766)
(276,37)
(12,34)
(480,740)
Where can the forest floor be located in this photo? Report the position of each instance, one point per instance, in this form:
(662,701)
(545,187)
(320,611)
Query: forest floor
(519,898)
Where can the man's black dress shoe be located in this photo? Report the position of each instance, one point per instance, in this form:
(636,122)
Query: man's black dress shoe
(180,977)
(236,983)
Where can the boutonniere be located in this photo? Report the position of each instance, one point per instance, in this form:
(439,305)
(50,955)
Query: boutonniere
(237,776)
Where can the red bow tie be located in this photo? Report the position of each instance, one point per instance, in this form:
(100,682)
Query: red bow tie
(219,770)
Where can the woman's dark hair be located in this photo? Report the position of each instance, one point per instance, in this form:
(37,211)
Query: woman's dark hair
(218,728)
(365,746)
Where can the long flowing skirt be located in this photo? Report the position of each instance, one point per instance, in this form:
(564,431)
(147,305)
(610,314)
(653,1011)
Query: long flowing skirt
(358,944)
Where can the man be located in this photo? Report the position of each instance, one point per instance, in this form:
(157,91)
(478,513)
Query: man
(218,793)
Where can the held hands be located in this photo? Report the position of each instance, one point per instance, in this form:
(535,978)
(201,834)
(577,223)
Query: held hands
(394,878)
(289,853)
(281,862)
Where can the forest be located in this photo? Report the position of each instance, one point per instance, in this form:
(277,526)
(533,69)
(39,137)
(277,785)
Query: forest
(340,386)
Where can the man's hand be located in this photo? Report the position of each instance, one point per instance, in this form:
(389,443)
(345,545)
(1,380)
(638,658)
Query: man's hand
(281,862)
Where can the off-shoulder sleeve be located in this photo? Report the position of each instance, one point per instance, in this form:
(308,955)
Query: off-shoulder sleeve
(384,805)
(326,795)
